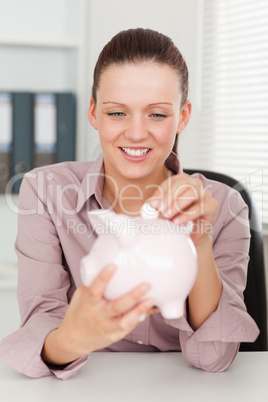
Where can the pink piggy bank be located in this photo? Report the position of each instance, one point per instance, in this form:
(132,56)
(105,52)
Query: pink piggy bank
(156,251)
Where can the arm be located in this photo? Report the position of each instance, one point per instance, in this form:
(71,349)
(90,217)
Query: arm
(217,321)
(206,292)
(44,286)
(214,345)
(93,323)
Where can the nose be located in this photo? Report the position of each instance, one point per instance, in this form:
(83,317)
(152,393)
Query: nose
(136,130)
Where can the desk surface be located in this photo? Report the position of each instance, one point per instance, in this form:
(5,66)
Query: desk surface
(155,377)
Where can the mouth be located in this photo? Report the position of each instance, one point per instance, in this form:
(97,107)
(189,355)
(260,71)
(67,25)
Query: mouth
(136,152)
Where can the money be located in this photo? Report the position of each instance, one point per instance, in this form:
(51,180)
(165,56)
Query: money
(148,212)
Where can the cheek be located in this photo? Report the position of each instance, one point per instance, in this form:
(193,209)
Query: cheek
(108,133)
(104,128)
(167,133)
(110,130)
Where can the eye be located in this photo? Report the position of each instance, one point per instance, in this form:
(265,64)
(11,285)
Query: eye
(116,114)
(158,116)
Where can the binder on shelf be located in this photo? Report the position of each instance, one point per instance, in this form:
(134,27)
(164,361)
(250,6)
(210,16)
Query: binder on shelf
(36,130)
(45,136)
(23,137)
(66,126)
(5,139)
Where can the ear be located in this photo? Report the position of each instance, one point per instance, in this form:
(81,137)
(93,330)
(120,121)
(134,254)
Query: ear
(91,114)
(184,116)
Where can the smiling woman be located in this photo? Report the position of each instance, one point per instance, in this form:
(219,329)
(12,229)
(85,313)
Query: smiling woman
(139,106)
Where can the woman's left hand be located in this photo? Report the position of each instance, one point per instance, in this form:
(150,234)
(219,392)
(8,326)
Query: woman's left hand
(182,198)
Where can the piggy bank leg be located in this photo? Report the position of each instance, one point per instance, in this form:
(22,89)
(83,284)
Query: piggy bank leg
(172,310)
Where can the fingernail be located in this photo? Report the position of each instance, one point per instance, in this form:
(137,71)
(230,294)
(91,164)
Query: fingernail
(150,303)
(154,203)
(110,268)
(142,317)
(162,208)
(167,212)
(145,287)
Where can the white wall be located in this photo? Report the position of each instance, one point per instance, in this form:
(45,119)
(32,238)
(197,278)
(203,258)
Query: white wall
(35,67)
(28,16)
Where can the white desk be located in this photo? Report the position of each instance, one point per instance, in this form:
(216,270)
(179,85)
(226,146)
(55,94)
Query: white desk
(150,377)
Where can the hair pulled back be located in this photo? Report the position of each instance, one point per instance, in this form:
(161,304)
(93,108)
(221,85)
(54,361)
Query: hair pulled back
(138,45)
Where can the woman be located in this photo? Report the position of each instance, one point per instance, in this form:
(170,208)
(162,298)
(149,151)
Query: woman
(139,106)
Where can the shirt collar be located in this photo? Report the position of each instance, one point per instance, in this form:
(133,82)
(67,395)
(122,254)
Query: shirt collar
(92,183)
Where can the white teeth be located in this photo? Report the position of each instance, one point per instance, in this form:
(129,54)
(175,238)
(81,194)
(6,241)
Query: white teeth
(138,152)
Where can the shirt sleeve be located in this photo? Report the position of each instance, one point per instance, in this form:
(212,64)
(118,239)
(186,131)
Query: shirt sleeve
(214,345)
(44,287)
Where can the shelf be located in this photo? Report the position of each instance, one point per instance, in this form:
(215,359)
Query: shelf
(60,44)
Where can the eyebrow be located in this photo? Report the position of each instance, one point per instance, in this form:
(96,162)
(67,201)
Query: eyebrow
(151,104)
(115,103)
(161,103)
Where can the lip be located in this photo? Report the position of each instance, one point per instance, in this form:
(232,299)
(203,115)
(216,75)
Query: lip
(135,158)
(139,147)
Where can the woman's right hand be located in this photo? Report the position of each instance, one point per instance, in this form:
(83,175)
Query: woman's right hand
(92,323)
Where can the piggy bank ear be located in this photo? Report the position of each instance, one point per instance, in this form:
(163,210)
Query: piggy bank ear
(101,221)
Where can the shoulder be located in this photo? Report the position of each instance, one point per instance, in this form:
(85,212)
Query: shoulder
(56,178)
(212,184)
(60,172)
(222,192)
(71,173)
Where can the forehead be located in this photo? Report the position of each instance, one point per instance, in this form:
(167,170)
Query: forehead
(145,78)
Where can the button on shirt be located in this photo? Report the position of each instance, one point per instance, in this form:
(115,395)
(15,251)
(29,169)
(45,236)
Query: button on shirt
(54,234)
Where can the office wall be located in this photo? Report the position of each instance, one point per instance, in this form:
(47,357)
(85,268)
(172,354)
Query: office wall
(37,24)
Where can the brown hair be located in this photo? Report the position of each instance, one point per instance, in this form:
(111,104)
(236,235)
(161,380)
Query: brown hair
(137,45)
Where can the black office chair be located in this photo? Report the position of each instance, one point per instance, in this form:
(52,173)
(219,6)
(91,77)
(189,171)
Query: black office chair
(255,292)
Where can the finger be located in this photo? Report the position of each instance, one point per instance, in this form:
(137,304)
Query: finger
(128,301)
(118,327)
(195,213)
(97,287)
(181,205)
(130,320)
(174,188)
(158,197)
(182,196)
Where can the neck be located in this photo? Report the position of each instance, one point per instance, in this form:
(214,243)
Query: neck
(127,196)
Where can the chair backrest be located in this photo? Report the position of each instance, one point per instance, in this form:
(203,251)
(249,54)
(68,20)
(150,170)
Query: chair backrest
(255,292)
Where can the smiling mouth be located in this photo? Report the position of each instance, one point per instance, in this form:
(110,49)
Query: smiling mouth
(135,152)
